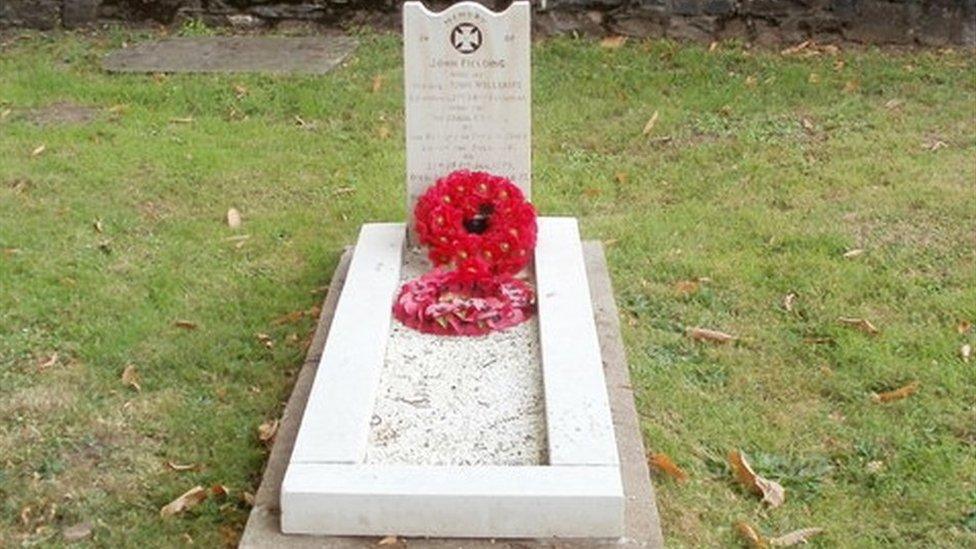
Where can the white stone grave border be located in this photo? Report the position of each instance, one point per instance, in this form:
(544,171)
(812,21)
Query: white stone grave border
(328,489)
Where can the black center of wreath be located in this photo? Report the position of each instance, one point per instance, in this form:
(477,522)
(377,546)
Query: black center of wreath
(479,223)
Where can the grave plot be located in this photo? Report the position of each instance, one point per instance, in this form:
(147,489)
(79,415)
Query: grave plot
(506,434)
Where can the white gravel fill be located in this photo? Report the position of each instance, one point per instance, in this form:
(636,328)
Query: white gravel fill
(459,400)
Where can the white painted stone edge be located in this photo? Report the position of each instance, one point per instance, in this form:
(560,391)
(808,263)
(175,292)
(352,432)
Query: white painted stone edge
(335,425)
(486,501)
(579,424)
(333,435)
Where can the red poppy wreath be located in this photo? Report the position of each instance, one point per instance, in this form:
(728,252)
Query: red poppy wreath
(481,225)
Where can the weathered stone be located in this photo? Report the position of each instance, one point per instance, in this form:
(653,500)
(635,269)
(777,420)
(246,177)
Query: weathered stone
(685,7)
(78,13)
(557,22)
(310,55)
(719,7)
(699,29)
(882,22)
(32,14)
(645,23)
(290,11)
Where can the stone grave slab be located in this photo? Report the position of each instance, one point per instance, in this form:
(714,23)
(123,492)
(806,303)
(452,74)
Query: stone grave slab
(642,526)
(389,440)
(264,54)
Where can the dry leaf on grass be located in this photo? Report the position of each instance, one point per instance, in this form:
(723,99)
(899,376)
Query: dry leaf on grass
(130,377)
(389,540)
(649,126)
(38,150)
(219,491)
(795,538)
(265,340)
(288,318)
(713,336)
(185,324)
(966,352)
(686,288)
(892,104)
(48,362)
(793,50)
(851,254)
(247,498)
(897,394)
(383,132)
(191,498)
(233,218)
(180,467)
(182,120)
(98,226)
(377,83)
(240,91)
(662,462)
(749,534)
(861,324)
(788,301)
(963,327)
(613,42)
(268,430)
(771,491)
(77,532)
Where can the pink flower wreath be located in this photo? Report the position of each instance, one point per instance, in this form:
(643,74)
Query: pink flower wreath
(481,225)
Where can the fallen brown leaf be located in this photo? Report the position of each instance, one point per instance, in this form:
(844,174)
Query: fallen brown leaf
(814,78)
(651,122)
(788,301)
(247,498)
(185,324)
(98,226)
(897,394)
(288,318)
(749,534)
(5,113)
(713,46)
(751,81)
(966,352)
(771,491)
(686,288)
(38,150)
(807,124)
(613,42)
(219,491)
(182,120)
(265,340)
(191,498)
(621,177)
(48,362)
(389,540)
(662,462)
(181,467)
(383,132)
(714,336)
(851,254)
(796,49)
(77,532)
(861,324)
(240,91)
(892,104)
(130,377)
(377,83)
(963,326)
(268,430)
(795,538)
(851,86)
(233,218)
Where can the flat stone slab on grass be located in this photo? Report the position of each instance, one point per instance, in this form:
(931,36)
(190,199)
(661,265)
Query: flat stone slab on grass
(267,54)
(642,526)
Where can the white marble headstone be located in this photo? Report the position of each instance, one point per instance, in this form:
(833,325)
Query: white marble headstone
(467,82)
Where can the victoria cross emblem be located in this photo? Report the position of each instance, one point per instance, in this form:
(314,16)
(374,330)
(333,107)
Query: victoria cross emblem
(466,38)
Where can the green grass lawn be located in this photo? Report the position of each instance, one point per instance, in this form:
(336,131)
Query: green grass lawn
(760,173)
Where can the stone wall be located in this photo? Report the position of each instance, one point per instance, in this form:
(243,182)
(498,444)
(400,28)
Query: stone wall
(924,22)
